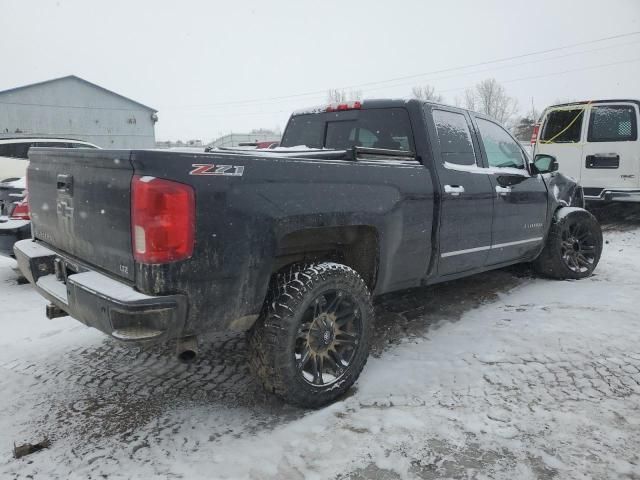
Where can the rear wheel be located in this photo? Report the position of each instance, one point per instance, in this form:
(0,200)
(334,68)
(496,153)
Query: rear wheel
(312,340)
(573,247)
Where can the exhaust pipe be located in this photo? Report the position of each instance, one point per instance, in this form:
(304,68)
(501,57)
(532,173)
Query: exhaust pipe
(187,349)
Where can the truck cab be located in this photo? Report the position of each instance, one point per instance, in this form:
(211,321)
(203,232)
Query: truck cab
(596,143)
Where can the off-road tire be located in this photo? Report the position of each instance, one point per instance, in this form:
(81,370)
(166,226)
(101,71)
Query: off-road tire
(272,339)
(551,261)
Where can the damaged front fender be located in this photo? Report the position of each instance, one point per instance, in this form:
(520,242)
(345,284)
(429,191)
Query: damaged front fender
(564,191)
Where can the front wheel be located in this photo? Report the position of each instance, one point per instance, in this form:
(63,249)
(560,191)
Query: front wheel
(573,247)
(312,339)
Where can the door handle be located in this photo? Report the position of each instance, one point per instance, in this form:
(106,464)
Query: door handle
(454,190)
(503,190)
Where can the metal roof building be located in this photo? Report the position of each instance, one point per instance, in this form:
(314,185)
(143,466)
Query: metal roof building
(71,107)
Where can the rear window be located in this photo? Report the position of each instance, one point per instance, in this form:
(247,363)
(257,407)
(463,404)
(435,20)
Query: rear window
(613,123)
(374,128)
(563,126)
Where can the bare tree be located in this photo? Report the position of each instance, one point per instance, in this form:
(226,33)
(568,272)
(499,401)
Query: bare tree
(490,98)
(426,93)
(336,95)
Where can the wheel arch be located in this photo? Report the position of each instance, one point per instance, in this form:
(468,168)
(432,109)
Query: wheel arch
(357,246)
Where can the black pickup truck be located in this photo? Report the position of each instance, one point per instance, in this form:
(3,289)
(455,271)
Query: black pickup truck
(361,199)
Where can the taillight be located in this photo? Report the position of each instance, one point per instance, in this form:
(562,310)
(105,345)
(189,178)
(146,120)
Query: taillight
(162,220)
(534,134)
(21,210)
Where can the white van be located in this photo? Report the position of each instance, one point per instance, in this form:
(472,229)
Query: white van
(595,142)
(14,153)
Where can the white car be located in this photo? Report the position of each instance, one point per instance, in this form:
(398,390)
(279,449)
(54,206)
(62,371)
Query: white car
(14,153)
(595,142)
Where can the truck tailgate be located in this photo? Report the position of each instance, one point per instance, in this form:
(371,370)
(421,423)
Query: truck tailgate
(80,204)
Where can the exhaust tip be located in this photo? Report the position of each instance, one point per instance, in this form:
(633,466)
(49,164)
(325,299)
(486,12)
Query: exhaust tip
(187,356)
(187,349)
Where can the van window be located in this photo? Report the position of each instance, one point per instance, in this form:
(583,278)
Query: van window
(454,137)
(612,123)
(563,126)
(501,149)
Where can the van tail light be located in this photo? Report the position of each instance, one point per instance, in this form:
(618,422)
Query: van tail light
(21,210)
(162,220)
(534,133)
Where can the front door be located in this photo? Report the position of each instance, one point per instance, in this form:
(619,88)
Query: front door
(465,192)
(520,199)
(560,136)
(611,154)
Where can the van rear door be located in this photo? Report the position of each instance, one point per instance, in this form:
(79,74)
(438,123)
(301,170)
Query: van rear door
(561,135)
(611,153)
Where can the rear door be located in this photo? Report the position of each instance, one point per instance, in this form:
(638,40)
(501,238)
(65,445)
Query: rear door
(520,199)
(465,191)
(561,135)
(80,202)
(611,154)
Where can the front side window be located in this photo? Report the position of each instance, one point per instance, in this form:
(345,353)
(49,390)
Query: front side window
(501,149)
(612,123)
(562,126)
(454,137)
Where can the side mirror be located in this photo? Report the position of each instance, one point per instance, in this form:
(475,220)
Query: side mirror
(545,164)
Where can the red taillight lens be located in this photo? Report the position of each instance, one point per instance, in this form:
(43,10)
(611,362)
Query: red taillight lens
(534,134)
(162,220)
(21,210)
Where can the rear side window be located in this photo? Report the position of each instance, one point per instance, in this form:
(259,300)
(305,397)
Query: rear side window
(387,128)
(15,150)
(563,126)
(454,137)
(501,149)
(612,123)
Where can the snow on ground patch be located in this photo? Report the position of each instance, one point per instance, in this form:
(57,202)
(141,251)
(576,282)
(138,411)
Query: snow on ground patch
(542,382)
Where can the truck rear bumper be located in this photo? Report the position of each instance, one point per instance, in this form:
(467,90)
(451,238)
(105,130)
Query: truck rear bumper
(100,301)
(615,195)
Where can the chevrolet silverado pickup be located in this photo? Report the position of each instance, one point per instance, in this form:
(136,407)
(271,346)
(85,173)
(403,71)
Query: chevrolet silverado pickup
(290,245)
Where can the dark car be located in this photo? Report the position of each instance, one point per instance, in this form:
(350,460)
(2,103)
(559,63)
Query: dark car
(291,245)
(14,215)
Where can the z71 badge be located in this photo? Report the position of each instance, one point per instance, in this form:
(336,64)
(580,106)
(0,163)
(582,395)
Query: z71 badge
(210,169)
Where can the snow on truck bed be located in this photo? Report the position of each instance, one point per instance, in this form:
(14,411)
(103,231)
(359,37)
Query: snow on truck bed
(497,376)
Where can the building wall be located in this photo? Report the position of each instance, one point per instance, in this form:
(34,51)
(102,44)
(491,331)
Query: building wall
(71,108)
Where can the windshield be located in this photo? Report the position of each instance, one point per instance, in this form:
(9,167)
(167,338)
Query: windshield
(387,128)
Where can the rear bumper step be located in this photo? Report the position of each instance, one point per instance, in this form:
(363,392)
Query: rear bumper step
(98,300)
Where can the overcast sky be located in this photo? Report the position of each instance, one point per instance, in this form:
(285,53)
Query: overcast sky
(192,59)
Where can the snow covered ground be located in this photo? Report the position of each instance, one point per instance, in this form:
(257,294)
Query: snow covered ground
(502,375)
